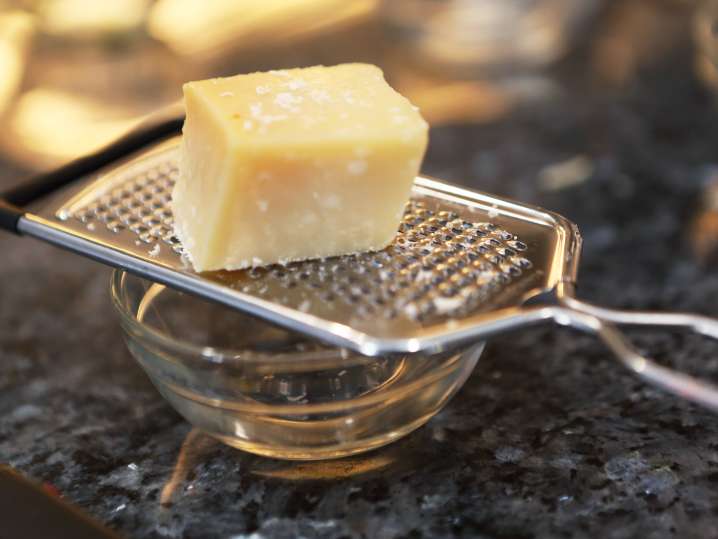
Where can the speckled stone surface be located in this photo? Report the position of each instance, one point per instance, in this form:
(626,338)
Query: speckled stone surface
(549,437)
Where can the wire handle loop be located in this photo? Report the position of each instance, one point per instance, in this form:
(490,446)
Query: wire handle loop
(603,322)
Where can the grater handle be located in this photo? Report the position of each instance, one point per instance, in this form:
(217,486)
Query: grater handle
(153,129)
(603,322)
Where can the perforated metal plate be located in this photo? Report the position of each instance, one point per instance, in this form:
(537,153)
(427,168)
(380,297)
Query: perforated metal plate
(457,255)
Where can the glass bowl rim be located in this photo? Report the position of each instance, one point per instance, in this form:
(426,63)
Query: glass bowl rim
(137,329)
(145,335)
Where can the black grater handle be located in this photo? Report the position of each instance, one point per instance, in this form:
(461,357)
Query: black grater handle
(13,200)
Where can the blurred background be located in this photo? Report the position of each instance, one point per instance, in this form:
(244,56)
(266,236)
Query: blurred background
(77,73)
(605,111)
(525,97)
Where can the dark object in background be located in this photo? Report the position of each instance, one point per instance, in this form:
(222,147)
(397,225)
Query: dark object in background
(703,232)
(28,510)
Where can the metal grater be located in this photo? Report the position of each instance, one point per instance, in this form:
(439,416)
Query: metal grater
(457,255)
(463,266)
(442,262)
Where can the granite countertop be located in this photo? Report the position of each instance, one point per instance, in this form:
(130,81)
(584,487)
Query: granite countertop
(550,437)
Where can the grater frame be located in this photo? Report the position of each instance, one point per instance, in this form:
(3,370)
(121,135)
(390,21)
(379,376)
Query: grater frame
(47,208)
(52,221)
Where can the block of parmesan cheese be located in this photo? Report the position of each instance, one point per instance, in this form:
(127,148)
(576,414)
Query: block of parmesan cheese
(294,164)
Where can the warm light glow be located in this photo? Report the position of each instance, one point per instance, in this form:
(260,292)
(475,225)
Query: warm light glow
(199,27)
(443,101)
(16,30)
(194,447)
(330,469)
(57,126)
(466,34)
(91,16)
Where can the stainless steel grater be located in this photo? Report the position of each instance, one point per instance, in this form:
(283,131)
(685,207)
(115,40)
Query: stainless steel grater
(464,265)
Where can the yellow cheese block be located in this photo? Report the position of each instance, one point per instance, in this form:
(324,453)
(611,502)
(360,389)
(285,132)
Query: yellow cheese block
(294,164)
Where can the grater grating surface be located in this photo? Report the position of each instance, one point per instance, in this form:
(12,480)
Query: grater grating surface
(457,255)
(438,265)
(460,269)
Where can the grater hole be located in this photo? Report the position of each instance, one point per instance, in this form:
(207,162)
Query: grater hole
(518,245)
(455,262)
(160,232)
(460,280)
(511,269)
(439,264)
(151,221)
(523,263)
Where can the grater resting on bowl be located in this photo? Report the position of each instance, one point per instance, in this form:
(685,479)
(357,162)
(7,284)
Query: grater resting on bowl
(464,265)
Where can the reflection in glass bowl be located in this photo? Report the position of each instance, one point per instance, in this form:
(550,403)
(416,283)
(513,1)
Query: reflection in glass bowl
(272,392)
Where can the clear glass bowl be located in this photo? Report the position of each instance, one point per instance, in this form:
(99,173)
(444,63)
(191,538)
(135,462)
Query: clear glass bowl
(272,392)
